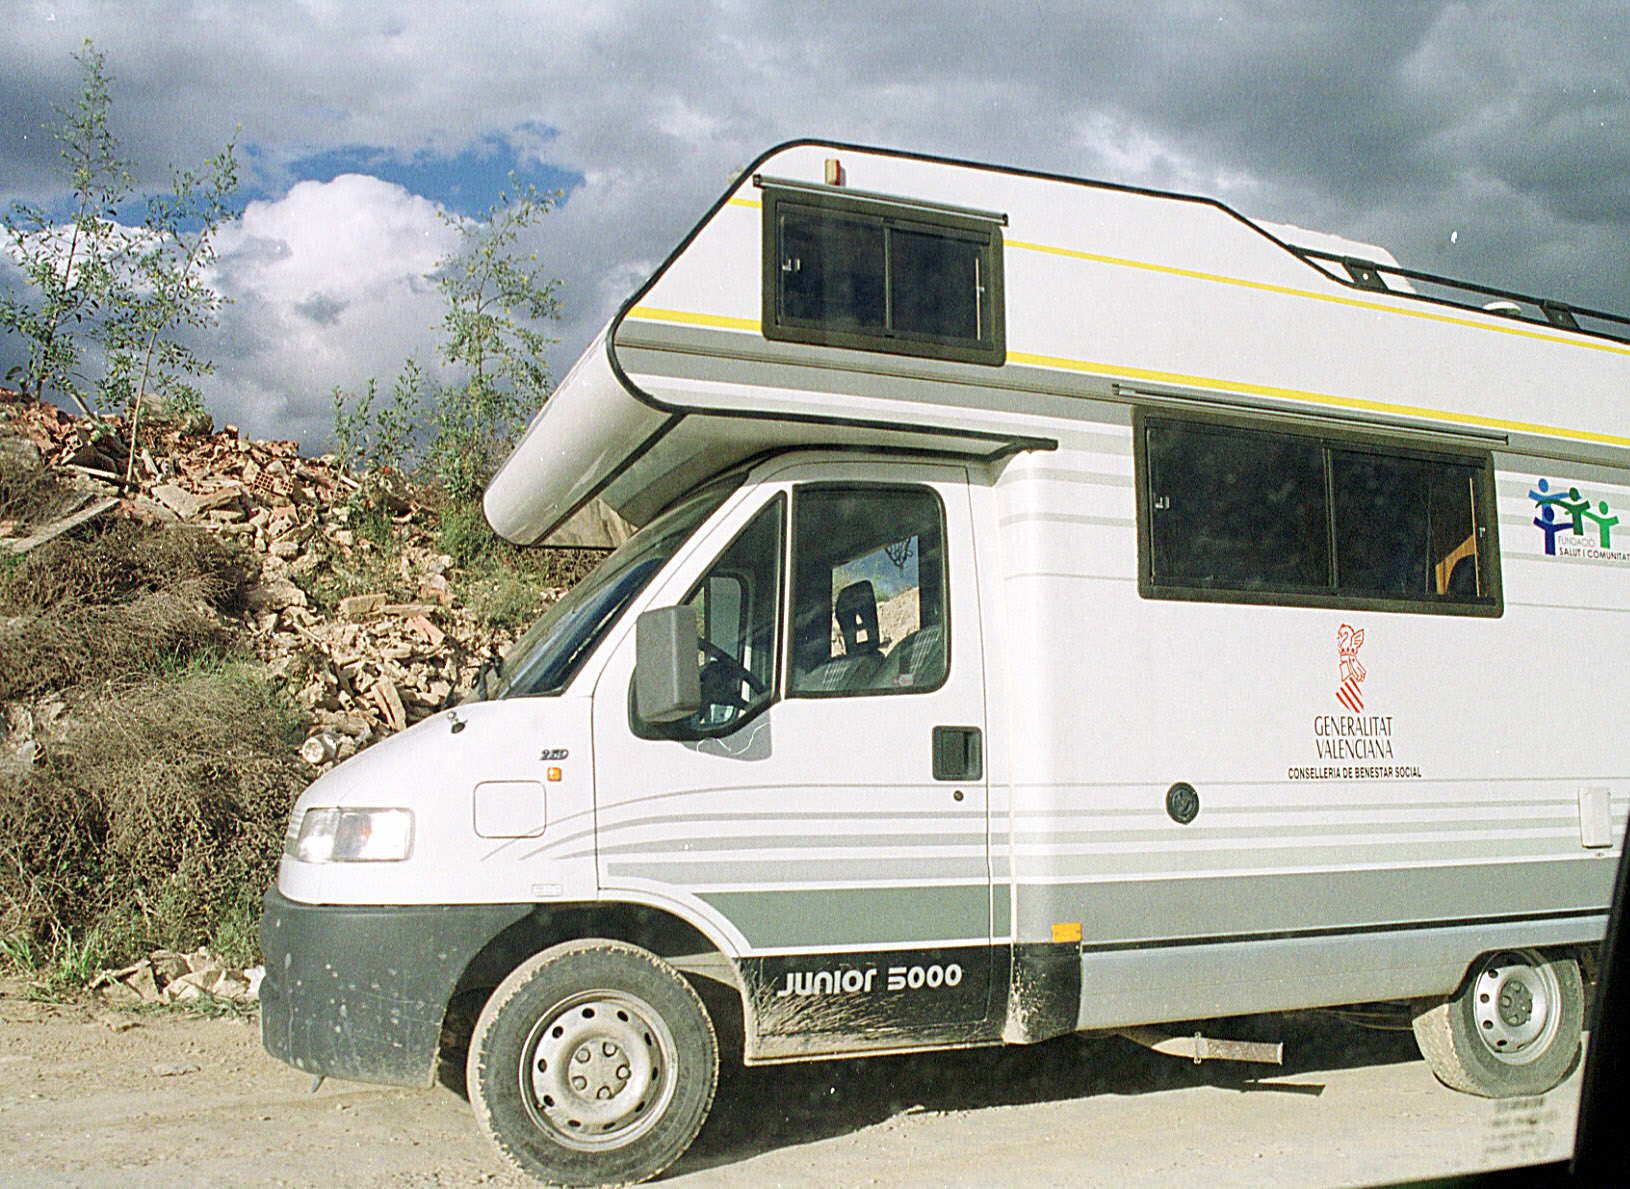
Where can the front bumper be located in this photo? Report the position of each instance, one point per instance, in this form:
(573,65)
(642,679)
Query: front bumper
(359,992)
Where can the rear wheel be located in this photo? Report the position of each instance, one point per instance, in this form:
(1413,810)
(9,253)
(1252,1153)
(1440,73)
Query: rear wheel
(1513,1029)
(594,1063)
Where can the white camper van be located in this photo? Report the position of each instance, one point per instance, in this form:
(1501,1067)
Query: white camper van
(1058,607)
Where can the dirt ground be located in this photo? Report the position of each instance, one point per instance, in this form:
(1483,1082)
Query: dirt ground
(91,1097)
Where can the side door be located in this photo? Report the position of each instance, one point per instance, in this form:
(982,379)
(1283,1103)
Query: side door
(826,811)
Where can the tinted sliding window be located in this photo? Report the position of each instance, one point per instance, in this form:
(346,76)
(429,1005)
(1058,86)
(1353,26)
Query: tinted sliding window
(835,275)
(1237,510)
(1264,516)
(847,272)
(1405,526)
(868,592)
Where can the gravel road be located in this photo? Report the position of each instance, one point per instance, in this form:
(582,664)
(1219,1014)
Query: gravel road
(90,1097)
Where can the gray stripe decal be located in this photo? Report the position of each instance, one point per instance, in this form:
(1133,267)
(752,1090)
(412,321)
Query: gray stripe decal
(1167,909)
(1133,986)
(1095,478)
(1079,577)
(1512,487)
(667,350)
(1569,607)
(1558,804)
(1246,860)
(783,871)
(1363,830)
(717,357)
(856,916)
(806,841)
(1067,518)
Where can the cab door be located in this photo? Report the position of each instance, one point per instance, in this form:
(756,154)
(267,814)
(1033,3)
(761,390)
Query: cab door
(825,813)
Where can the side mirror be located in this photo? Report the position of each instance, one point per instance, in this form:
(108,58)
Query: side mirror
(667,681)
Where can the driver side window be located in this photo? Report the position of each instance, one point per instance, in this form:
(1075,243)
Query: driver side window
(735,606)
(868,591)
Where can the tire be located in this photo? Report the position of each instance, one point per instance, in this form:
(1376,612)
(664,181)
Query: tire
(1513,1028)
(593,1063)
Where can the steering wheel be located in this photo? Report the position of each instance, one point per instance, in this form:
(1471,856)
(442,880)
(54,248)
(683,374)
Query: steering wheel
(731,666)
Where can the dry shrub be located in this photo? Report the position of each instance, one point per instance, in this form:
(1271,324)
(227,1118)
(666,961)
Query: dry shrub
(154,817)
(126,559)
(30,491)
(131,597)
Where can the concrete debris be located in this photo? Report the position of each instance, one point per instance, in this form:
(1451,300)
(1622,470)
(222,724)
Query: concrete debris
(388,656)
(390,702)
(320,748)
(178,499)
(384,658)
(165,976)
(274,594)
(433,635)
(359,606)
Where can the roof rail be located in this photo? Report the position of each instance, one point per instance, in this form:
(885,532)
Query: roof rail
(1368,274)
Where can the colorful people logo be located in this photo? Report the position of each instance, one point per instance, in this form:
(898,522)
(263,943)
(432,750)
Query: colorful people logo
(1577,510)
(1348,641)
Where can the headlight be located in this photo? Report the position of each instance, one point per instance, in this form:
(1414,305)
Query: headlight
(352,836)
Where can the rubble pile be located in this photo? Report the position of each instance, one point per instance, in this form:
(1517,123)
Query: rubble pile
(165,976)
(350,604)
(367,665)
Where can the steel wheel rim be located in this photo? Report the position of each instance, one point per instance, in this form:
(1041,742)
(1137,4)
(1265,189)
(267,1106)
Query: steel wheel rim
(597,1070)
(1516,1006)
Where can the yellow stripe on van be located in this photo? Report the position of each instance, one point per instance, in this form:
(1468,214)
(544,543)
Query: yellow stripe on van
(1334,298)
(1149,375)
(653,314)
(750,203)
(1313,398)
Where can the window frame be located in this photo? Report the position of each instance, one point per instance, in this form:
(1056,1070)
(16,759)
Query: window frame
(1485,514)
(684,730)
(907,217)
(790,577)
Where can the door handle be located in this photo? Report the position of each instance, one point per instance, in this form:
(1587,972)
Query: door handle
(958,753)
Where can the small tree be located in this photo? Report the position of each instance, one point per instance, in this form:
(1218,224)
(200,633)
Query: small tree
(166,294)
(373,436)
(494,301)
(73,267)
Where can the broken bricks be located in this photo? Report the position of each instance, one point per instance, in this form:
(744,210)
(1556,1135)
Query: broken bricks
(165,976)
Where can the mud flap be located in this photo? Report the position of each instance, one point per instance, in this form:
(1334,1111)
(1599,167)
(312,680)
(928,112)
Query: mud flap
(1045,999)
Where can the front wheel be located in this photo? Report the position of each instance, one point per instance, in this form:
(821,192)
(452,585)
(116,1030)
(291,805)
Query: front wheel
(1513,1028)
(594,1063)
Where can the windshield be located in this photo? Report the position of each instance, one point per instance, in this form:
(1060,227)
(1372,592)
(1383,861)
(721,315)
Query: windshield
(544,659)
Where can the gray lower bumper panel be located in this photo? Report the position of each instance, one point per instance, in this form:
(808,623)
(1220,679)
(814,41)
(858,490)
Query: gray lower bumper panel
(360,992)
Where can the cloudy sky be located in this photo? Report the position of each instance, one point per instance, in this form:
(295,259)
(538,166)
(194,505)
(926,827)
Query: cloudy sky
(1489,141)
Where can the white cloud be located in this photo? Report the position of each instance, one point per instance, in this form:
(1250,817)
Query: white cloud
(327,288)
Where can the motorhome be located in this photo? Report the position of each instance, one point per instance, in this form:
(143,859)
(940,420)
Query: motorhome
(1057,607)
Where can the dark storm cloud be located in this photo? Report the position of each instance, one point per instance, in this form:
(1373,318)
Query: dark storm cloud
(321,308)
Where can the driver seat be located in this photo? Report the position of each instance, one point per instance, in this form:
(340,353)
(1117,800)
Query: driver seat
(856,613)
